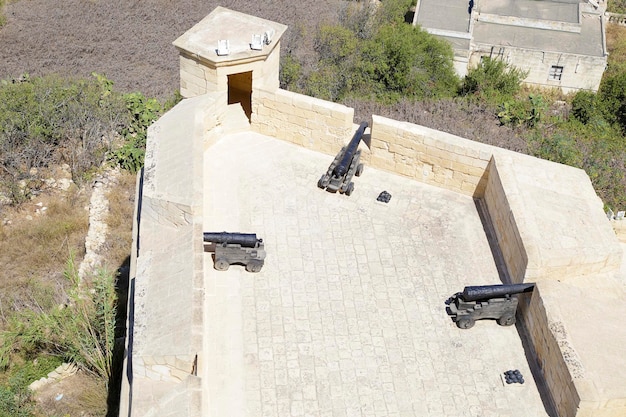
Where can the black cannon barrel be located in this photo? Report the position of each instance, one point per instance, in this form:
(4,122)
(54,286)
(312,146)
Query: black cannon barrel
(247,240)
(341,169)
(484,292)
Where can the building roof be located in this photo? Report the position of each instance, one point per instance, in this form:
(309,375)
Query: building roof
(444,15)
(567,26)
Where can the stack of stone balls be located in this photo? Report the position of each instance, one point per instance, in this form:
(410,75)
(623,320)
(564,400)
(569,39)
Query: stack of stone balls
(513,377)
(384,197)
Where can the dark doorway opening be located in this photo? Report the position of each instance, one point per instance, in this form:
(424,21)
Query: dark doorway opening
(240,91)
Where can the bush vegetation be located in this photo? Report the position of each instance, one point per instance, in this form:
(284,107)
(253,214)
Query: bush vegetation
(373,54)
(616,6)
(85,123)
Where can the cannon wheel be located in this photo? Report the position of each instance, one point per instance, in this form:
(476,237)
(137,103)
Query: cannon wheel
(465,323)
(349,189)
(254,266)
(507,319)
(323,182)
(221,264)
(319,183)
(359,170)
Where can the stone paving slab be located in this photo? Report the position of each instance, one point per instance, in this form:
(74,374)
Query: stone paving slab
(347,317)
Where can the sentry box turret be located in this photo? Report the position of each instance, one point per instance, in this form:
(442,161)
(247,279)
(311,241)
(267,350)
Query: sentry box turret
(236,248)
(486,302)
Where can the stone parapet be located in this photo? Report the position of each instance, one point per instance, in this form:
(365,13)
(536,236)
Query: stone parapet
(429,156)
(166,298)
(578,344)
(306,121)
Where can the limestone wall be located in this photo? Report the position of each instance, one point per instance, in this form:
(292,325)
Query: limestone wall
(166,287)
(505,226)
(550,344)
(199,76)
(306,121)
(579,71)
(429,156)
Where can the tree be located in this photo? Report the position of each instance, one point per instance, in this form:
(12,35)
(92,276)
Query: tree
(611,99)
(402,60)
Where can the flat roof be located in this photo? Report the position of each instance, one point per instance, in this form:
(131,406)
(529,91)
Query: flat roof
(235,27)
(588,42)
(347,316)
(551,26)
(562,11)
(452,16)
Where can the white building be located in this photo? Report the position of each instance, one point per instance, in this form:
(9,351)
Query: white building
(560,43)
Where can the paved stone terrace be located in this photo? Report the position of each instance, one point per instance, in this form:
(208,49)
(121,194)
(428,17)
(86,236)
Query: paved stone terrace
(347,317)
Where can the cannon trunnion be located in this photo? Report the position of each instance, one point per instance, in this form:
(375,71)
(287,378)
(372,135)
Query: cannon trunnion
(486,302)
(236,248)
(345,166)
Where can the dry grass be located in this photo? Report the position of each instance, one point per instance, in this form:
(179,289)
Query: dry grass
(616,45)
(129,41)
(120,221)
(33,252)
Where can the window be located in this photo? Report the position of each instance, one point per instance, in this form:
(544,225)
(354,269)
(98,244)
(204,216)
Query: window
(556,72)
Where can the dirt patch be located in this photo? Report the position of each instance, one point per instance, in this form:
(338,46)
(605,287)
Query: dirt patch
(78,395)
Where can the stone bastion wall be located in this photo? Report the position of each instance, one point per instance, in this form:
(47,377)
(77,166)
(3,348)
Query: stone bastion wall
(548,222)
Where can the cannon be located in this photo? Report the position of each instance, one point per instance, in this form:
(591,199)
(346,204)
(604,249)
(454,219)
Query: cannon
(345,166)
(236,248)
(486,302)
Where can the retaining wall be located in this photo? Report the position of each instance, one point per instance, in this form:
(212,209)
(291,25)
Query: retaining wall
(165,323)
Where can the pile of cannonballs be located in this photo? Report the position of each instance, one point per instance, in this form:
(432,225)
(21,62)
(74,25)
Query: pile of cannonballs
(512,377)
(384,197)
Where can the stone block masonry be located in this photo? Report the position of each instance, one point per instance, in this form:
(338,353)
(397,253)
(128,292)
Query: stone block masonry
(306,121)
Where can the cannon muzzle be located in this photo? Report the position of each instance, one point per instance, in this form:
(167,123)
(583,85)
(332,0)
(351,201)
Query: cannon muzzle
(485,292)
(246,240)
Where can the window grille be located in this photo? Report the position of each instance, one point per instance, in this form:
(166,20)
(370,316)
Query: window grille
(556,72)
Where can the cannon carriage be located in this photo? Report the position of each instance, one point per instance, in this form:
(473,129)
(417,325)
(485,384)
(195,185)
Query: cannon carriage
(346,165)
(236,248)
(497,302)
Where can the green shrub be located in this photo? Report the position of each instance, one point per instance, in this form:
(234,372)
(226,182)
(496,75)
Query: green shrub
(493,80)
(611,99)
(290,73)
(48,120)
(3,18)
(523,112)
(404,61)
(143,112)
(583,106)
(616,6)
(557,148)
